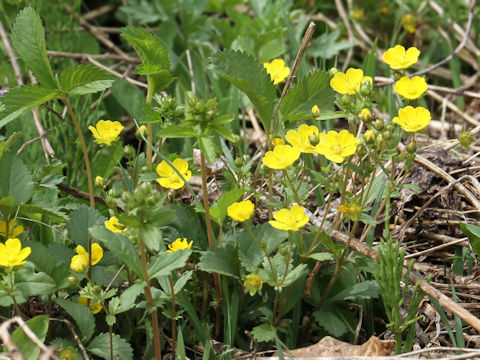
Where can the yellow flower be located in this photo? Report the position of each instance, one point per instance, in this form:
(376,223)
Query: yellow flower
(114,225)
(399,59)
(99,181)
(253,284)
(281,157)
(12,254)
(13,232)
(366,115)
(351,210)
(369,137)
(277,141)
(337,146)
(169,178)
(289,220)
(412,119)
(358,14)
(302,137)
(277,70)
(409,22)
(411,88)
(315,110)
(106,131)
(79,263)
(241,211)
(94,308)
(179,244)
(349,82)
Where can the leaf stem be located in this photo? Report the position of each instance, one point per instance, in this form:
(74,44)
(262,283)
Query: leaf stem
(174,321)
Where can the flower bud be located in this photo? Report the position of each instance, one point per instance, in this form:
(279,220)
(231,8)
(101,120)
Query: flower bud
(315,110)
(365,89)
(238,161)
(345,101)
(397,76)
(110,202)
(332,71)
(97,290)
(283,250)
(366,116)
(379,124)
(387,135)
(128,151)
(99,181)
(144,169)
(369,137)
(412,147)
(142,130)
(390,127)
(380,141)
(277,140)
(114,193)
(72,281)
(361,150)
(314,139)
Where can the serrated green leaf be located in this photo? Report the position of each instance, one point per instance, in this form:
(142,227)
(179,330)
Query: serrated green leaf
(370,61)
(270,236)
(4,145)
(264,332)
(85,79)
(120,246)
(21,99)
(80,221)
(248,74)
(148,47)
(363,290)
(164,263)
(128,297)
(313,89)
(15,179)
(222,261)
(177,131)
(100,346)
(295,274)
(39,326)
(328,45)
(129,96)
(30,210)
(218,212)
(210,148)
(327,319)
(81,314)
(28,39)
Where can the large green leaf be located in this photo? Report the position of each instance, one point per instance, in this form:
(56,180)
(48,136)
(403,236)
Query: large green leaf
(100,346)
(164,263)
(328,320)
(15,179)
(21,99)
(363,290)
(329,45)
(33,284)
(147,46)
(80,221)
(81,314)
(120,246)
(39,326)
(313,89)
(248,74)
(264,332)
(222,261)
(85,79)
(28,39)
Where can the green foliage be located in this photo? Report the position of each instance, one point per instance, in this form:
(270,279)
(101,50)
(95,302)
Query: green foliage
(329,320)
(85,79)
(100,346)
(81,314)
(28,39)
(39,326)
(222,261)
(328,45)
(165,263)
(218,212)
(80,221)
(16,179)
(248,74)
(264,332)
(312,90)
(473,234)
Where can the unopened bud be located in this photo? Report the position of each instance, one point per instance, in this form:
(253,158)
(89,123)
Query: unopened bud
(238,161)
(379,124)
(315,110)
(365,88)
(366,116)
(97,290)
(314,139)
(369,137)
(345,101)
(380,141)
(142,130)
(99,181)
(128,151)
(412,147)
(73,281)
(387,135)
(332,71)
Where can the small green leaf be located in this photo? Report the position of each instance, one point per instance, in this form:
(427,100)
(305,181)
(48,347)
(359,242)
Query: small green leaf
(80,221)
(328,45)
(248,74)
(218,212)
(30,211)
(363,290)
(177,131)
(327,319)
(473,234)
(322,256)
(28,39)
(222,261)
(81,314)
(120,246)
(21,99)
(313,89)
(85,79)
(126,301)
(295,274)
(147,46)
(39,326)
(210,148)
(100,346)
(370,61)
(367,219)
(264,332)
(164,263)
(15,179)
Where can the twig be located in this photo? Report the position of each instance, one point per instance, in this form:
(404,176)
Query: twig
(97,12)
(452,107)
(117,74)
(459,47)
(79,193)
(343,14)
(11,55)
(6,337)
(296,64)
(47,225)
(114,277)
(84,56)
(435,248)
(75,337)
(444,301)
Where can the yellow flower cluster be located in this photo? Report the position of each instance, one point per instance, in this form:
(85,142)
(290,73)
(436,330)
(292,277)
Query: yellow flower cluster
(79,262)
(114,225)
(277,70)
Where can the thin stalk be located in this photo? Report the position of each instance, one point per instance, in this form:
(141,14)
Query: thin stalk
(12,284)
(110,332)
(249,230)
(211,244)
(295,194)
(86,159)
(174,321)
(148,100)
(149,297)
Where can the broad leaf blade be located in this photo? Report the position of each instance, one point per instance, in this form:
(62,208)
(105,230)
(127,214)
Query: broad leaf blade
(147,46)
(15,179)
(164,263)
(222,261)
(28,39)
(80,221)
(21,99)
(39,326)
(85,79)
(100,346)
(313,89)
(81,314)
(248,74)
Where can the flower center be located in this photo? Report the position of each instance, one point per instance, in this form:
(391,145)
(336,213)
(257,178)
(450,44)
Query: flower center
(336,149)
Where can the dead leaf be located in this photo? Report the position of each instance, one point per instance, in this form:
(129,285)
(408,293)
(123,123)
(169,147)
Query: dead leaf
(329,346)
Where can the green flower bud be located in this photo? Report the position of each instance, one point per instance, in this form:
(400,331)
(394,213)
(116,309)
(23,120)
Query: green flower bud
(283,250)
(97,290)
(110,202)
(390,127)
(387,135)
(369,137)
(332,71)
(314,139)
(380,141)
(412,147)
(72,281)
(379,124)
(114,193)
(365,89)
(128,151)
(366,116)
(345,100)
(361,150)
(238,161)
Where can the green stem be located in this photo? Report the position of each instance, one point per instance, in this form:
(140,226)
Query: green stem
(249,230)
(295,194)
(174,321)
(148,100)
(149,297)
(208,222)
